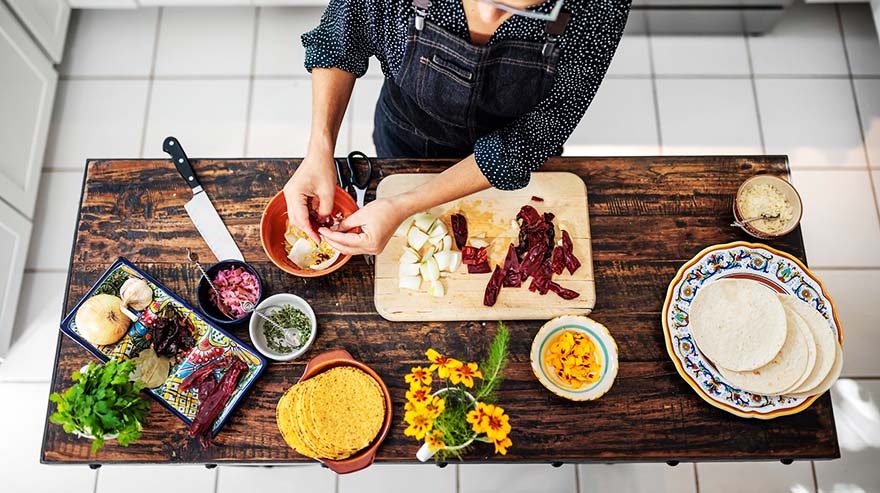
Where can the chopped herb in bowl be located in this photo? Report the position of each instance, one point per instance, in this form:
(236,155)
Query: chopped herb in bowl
(292,318)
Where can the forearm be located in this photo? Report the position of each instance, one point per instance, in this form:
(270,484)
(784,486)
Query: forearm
(457,181)
(331,91)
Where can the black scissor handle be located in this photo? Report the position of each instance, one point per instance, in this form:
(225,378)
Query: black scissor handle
(362,181)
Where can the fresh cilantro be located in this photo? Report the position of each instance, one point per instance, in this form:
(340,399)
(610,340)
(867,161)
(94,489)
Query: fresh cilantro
(101,403)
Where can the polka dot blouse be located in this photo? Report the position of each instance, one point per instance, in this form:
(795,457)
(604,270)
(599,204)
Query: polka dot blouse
(352,31)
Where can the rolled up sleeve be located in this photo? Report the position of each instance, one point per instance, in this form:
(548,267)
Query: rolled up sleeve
(508,156)
(343,38)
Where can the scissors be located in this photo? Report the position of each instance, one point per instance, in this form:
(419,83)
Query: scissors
(354,182)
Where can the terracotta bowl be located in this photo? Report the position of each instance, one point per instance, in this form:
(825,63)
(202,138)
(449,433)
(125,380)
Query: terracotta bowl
(787,190)
(341,357)
(273,225)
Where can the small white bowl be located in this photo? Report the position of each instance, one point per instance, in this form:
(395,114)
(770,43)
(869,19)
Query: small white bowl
(266,307)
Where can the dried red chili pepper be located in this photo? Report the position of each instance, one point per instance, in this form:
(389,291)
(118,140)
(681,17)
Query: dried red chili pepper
(494,286)
(535,198)
(512,279)
(472,255)
(213,396)
(511,261)
(563,293)
(571,262)
(558,260)
(481,268)
(459,230)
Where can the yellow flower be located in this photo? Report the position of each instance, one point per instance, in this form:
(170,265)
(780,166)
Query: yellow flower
(435,407)
(419,422)
(419,376)
(501,445)
(496,423)
(465,374)
(416,396)
(433,440)
(441,363)
(475,418)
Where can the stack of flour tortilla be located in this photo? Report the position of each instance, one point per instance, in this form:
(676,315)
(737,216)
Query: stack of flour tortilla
(764,342)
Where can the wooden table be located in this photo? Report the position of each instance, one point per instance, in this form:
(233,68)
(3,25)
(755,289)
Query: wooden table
(648,216)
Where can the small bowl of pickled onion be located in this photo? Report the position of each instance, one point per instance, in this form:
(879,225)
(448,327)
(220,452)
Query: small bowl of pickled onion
(235,281)
(575,358)
(291,250)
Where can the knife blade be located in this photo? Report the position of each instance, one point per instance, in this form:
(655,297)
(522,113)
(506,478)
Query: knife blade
(200,209)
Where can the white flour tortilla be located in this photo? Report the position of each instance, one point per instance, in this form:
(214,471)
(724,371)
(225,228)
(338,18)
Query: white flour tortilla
(738,324)
(786,368)
(829,379)
(811,347)
(826,342)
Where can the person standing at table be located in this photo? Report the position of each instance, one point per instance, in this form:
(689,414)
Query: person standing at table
(499,86)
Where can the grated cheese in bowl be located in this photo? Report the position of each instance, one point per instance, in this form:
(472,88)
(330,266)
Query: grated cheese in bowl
(764,199)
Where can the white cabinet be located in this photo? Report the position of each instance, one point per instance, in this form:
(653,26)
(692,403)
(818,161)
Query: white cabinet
(27,92)
(15,234)
(47,20)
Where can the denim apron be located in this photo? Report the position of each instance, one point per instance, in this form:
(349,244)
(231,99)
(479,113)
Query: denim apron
(449,92)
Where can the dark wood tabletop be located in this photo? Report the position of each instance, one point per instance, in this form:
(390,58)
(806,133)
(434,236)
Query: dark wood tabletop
(648,216)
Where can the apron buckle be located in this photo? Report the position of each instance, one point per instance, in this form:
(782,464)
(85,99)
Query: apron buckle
(421,7)
(548,47)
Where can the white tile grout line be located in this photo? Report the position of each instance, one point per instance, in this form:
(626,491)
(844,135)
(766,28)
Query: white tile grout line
(754,88)
(815,478)
(95,482)
(216,480)
(250,97)
(653,76)
(151,80)
(855,97)
(577,478)
(696,478)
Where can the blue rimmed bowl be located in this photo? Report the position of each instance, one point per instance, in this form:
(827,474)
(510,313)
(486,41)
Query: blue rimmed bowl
(601,338)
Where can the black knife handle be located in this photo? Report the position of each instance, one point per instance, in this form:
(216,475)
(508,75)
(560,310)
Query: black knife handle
(172,146)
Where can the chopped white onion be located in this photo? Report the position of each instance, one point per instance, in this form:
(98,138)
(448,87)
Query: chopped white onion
(443,258)
(410,282)
(437,289)
(424,221)
(408,270)
(478,243)
(454,260)
(404,227)
(429,269)
(410,256)
(416,238)
(438,230)
(447,243)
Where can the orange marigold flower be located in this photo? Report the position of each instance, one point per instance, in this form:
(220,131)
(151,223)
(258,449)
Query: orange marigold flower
(419,422)
(476,418)
(433,440)
(495,422)
(441,363)
(465,374)
(435,407)
(419,376)
(501,445)
(416,396)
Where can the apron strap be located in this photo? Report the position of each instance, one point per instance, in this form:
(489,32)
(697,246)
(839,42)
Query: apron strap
(421,7)
(552,31)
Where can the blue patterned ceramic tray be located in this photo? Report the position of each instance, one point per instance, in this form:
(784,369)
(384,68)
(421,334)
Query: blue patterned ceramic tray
(778,271)
(211,343)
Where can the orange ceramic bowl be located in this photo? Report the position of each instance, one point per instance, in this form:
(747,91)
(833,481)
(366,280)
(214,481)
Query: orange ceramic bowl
(273,225)
(365,457)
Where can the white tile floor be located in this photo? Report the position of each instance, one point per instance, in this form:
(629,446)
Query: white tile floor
(229,82)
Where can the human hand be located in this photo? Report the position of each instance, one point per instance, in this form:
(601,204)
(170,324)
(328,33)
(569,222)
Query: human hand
(315,178)
(377,220)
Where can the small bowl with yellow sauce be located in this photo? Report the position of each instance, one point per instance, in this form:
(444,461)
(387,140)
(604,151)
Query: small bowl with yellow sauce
(767,196)
(575,358)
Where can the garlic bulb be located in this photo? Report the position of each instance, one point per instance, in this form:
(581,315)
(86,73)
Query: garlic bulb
(135,293)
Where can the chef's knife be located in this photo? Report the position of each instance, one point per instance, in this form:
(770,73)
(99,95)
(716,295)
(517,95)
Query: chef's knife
(200,208)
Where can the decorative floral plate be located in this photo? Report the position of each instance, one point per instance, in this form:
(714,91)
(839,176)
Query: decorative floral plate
(211,343)
(778,271)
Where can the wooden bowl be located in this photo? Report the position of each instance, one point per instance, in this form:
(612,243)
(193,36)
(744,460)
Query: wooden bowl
(273,225)
(787,190)
(341,357)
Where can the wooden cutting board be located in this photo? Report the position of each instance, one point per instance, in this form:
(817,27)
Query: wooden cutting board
(492,212)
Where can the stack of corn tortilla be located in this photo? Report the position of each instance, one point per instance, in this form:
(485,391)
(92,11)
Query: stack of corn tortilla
(763,342)
(332,415)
